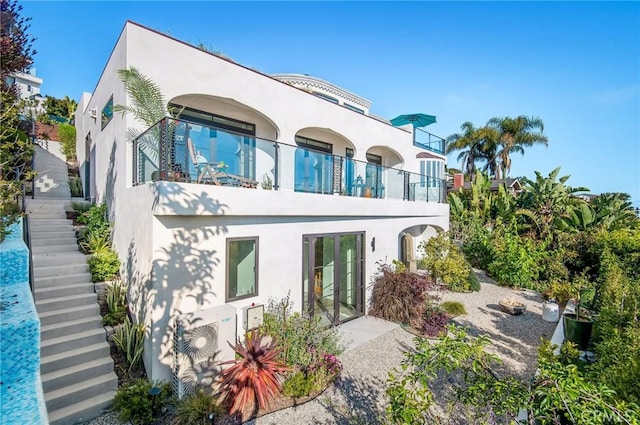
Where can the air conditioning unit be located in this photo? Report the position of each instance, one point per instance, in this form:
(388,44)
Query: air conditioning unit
(199,345)
(93,113)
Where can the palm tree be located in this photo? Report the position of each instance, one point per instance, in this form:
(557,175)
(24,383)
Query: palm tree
(470,144)
(147,102)
(514,134)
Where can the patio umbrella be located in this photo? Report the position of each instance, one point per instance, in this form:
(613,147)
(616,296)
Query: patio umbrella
(418,120)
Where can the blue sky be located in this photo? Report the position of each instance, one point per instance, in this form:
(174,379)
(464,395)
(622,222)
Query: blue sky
(576,65)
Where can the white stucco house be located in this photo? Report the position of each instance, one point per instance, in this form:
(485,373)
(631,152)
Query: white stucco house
(259,186)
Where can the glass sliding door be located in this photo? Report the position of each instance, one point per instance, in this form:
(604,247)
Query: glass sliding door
(333,276)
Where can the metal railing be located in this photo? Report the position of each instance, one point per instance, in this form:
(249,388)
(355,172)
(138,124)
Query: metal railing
(181,151)
(26,234)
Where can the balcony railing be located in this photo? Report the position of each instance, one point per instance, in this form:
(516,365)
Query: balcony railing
(425,140)
(182,151)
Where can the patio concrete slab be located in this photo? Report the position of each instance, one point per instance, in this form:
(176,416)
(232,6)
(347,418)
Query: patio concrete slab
(359,331)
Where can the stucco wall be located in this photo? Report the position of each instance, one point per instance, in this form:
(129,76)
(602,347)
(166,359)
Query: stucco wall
(171,237)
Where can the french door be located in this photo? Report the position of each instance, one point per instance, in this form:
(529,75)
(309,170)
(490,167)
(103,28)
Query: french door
(333,276)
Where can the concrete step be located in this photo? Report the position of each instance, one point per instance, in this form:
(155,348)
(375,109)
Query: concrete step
(80,391)
(83,411)
(69,239)
(66,302)
(50,292)
(66,343)
(69,376)
(48,215)
(61,280)
(74,357)
(68,314)
(50,271)
(50,222)
(54,248)
(58,258)
(68,328)
(53,233)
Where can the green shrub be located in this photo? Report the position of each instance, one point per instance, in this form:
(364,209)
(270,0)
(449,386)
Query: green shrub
(474,283)
(67,136)
(129,340)
(104,265)
(75,186)
(96,220)
(516,260)
(196,408)
(94,244)
(80,207)
(134,403)
(115,300)
(477,244)
(401,296)
(299,335)
(445,263)
(453,308)
(299,384)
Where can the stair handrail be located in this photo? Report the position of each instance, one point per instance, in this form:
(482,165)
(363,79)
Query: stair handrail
(26,236)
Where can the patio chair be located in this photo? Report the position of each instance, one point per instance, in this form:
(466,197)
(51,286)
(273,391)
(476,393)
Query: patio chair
(205,167)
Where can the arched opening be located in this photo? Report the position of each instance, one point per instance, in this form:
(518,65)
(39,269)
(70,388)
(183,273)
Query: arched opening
(383,175)
(409,241)
(323,161)
(226,132)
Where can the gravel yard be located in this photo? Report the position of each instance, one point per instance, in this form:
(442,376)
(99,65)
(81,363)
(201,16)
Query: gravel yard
(358,396)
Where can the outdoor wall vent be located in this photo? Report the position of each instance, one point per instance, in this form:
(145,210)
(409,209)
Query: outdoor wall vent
(93,113)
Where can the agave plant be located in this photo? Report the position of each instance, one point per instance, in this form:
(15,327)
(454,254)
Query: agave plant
(255,377)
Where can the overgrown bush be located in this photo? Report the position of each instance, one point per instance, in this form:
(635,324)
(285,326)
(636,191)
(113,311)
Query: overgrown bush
(476,394)
(129,341)
(477,244)
(401,296)
(135,405)
(445,262)
(298,334)
(313,379)
(561,393)
(197,409)
(516,260)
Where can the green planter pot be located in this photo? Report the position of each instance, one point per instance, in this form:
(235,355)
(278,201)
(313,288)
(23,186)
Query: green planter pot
(577,331)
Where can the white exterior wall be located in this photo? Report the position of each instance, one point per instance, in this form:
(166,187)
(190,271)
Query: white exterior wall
(171,237)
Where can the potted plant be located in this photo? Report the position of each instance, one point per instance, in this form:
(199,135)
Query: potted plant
(579,325)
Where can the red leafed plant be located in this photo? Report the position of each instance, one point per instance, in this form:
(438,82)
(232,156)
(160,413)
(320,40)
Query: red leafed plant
(254,378)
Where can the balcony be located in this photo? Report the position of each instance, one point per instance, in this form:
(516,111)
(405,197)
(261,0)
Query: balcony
(181,151)
(425,140)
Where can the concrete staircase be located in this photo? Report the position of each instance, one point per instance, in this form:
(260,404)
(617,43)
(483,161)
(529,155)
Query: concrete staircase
(76,367)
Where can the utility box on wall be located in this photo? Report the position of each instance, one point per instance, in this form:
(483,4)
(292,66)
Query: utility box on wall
(252,316)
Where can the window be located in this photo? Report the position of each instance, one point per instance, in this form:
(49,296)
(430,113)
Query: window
(107,113)
(29,89)
(242,266)
(326,97)
(353,108)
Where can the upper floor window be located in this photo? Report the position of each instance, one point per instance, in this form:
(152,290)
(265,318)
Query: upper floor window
(353,108)
(316,145)
(326,97)
(107,113)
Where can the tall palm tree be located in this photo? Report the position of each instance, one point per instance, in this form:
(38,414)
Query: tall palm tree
(469,143)
(514,134)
